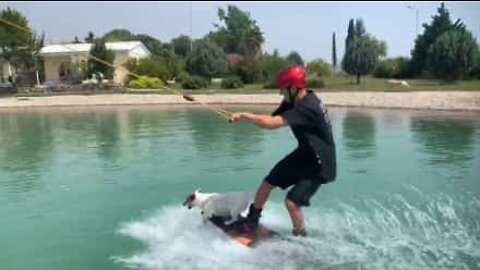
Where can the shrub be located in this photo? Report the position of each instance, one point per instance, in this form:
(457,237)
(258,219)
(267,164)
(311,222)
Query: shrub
(146,82)
(270,84)
(232,82)
(248,71)
(207,59)
(194,82)
(270,65)
(385,69)
(319,67)
(475,71)
(392,68)
(315,82)
(182,76)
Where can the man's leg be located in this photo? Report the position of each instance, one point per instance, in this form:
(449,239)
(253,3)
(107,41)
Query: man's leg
(261,197)
(263,192)
(250,222)
(297,217)
(279,176)
(297,197)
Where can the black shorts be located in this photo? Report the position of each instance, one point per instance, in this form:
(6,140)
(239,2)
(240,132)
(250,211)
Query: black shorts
(300,170)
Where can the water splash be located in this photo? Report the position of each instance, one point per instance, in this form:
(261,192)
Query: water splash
(434,233)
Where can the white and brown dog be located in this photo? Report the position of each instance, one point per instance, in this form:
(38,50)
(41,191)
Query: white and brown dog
(398,83)
(225,205)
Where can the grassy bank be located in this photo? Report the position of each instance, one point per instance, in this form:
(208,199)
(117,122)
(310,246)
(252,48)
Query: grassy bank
(332,84)
(340,84)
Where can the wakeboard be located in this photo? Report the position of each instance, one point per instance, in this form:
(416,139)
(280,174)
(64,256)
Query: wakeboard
(250,238)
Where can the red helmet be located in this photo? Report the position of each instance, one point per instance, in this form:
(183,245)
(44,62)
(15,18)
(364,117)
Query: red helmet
(292,76)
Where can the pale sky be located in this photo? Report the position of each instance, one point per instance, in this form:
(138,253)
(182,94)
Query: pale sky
(306,27)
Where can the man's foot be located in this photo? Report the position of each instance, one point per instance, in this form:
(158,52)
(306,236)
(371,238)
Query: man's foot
(249,223)
(244,225)
(301,232)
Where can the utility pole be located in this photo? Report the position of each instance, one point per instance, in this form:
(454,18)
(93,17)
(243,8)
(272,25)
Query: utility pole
(191,25)
(416,18)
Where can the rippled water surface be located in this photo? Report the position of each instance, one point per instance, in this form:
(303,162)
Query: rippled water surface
(101,188)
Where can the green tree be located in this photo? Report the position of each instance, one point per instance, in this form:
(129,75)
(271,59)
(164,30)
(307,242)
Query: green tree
(350,33)
(475,70)
(118,35)
(271,64)
(240,34)
(253,41)
(362,51)
(347,59)
(452,55)
(90,38)
(207,59)
(248,71)
(27,57)
(167,51)
(153,45)
(175,65)
(392,68)
(182,45)
(14,43)
(18,47)
(99,50)
(319,67)
(359,28)
(295,58)
(441,23)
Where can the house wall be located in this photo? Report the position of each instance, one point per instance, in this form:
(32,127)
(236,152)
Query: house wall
(53,62)
(52,66)
(138,53)
(120,73)
(6,70)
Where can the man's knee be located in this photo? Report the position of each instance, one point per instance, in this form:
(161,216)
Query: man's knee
(291,204)
(267,185)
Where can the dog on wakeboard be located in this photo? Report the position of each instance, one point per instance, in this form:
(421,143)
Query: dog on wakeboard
(225,205)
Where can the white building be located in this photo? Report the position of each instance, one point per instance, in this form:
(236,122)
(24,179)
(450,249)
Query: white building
(60,59)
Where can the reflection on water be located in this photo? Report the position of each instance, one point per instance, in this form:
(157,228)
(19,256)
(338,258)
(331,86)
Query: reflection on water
(217,136)
(27,143)
(359,135)
(107,133)
(448,143)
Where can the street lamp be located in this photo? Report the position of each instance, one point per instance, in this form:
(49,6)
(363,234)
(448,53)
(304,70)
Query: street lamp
(191,25)
(416,17)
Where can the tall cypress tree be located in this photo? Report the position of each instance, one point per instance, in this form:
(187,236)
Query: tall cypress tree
(348,42)
(334,54)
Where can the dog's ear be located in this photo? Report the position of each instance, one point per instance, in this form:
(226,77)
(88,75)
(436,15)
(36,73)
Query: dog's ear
(198,190)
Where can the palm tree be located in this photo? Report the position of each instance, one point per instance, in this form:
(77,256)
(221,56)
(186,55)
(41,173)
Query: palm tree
(252,42)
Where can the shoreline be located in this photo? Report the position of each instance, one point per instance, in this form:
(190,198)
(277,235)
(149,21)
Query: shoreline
(445,100)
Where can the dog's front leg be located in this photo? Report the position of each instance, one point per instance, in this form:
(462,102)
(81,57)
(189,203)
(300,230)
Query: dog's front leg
(233,218)
(206,215)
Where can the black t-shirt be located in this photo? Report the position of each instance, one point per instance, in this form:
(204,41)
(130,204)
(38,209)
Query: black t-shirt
(311,125)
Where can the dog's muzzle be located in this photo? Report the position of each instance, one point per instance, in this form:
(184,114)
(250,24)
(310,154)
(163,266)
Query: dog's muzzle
(187,204)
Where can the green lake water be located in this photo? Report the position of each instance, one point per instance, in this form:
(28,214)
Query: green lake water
(101,188)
